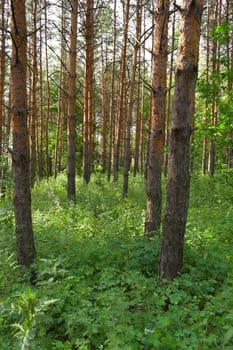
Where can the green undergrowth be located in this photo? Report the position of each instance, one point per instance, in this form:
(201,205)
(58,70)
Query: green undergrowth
(96,284)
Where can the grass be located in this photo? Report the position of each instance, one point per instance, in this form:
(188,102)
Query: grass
(96,284)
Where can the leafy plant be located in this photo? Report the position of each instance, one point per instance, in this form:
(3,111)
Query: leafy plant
(96,282)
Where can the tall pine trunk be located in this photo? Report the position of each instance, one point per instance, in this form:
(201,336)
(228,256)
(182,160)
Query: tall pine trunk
(169,95)
(21,162)
(2,72)
(129,111)
(157,117)
(40,132)
(121,96)
(171,255)
(205,141)
(112,104)
(214,104)
(48,95)
(2,84)
(88,92)
(138,120)
(72,103)
(229,150)
(104,105)
(34,97)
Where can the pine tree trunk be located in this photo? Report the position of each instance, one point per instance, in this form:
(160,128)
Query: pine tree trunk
(2,73)
(63,112)
(143,94)
(34,97)
(214,106)
(205,141)
(62,96)
(169,95)
(204,155)
(158,105)
(21,162)
(72,103)
(104,106)
(171,255)
(88,92)
(211,159)
(129,112)
(2,84)
(229,150)
(121,97)
(41,98)
(138,121)
(48,159)
(112,104)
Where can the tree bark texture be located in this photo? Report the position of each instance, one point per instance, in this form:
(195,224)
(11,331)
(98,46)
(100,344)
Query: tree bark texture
(33,159)
(214,104)
(171,255)
(169,95)
(138,120)
(88,92)
(130,101)
(72,102)
(21,162)
(2,73)
(104,104)
(229,150)
(42,119)
(3,166)
(157,117)
(48,94)
(112,103)
(121,96)
(205,141)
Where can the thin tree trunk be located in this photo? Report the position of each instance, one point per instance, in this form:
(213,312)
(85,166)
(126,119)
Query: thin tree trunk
(104,107)
(129,112)
(62,95)
(169,95)
(34,97)
(138,120)
(5,167)
(41,98)
(158,106)
(88,92)
(143,93)
(2,85)
(72,103)
(120,103)
(48,159)
(21,163)
(112,101)
(229,150)
(214,106)
(204,155)
(211,160)
(2,73)
(59,103)
(205,141)
(171,254)
(63,112)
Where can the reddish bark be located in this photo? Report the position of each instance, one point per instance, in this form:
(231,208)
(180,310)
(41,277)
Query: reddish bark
(21,162)
(171,255)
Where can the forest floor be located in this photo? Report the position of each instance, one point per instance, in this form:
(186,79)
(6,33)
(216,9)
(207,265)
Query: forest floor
(96,284)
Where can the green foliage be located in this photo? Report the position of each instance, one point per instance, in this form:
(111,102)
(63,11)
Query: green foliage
(223,32)
(96,273)
(214,97)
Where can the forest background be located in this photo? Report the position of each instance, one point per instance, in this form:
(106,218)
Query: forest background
(89,70)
